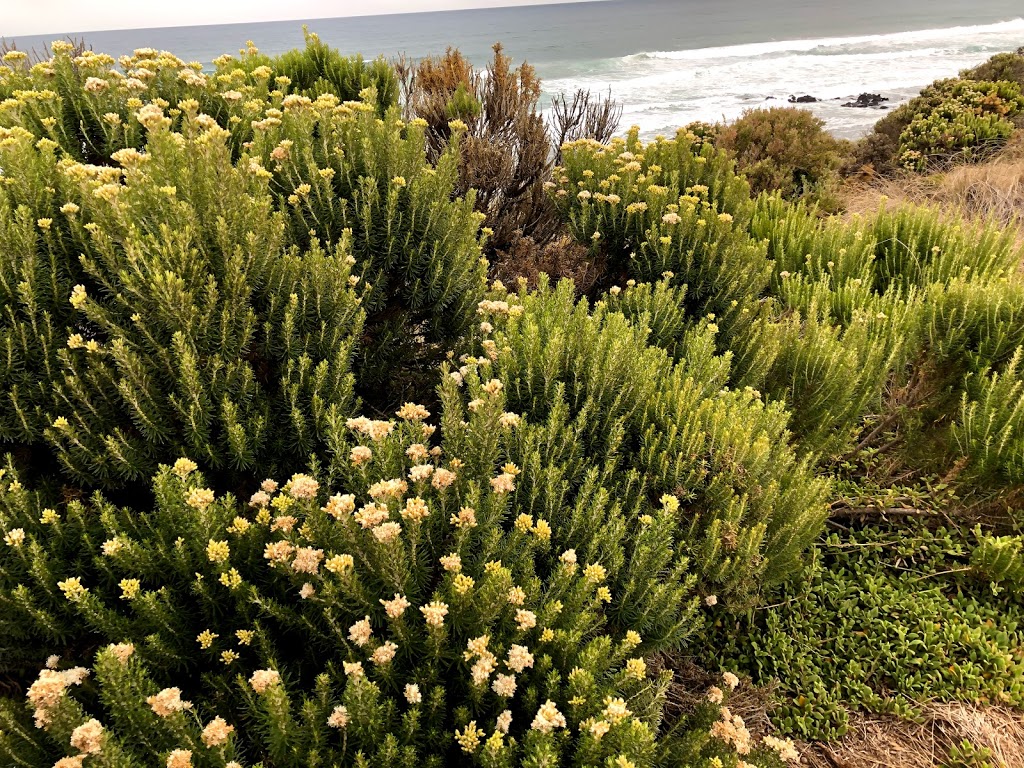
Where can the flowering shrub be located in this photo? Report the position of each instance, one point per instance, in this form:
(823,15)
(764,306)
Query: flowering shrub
(133,338)
(719,460)
(672,208)
(431,608)
(958,114)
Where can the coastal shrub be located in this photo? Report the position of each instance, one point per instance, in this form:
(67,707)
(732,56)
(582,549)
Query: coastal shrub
(339,171)
(954,118)
(1007,66)
(505,151)
(156,308)
(884,618)
(783,149)
(669,209)
(989,429)
(431,602)
(745,506)
(86,101)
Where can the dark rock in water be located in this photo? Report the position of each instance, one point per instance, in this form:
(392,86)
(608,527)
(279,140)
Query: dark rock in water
(867,100)
(803,100)
(769,98)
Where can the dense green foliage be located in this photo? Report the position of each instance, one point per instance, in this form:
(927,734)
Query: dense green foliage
(205,276)
(884,618)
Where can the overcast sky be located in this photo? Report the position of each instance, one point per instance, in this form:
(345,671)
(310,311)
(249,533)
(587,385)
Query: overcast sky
(34,17)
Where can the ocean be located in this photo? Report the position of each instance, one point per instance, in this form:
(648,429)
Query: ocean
(668,62)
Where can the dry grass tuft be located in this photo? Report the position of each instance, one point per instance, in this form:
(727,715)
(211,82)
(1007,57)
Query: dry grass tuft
(993,190)
(885,741)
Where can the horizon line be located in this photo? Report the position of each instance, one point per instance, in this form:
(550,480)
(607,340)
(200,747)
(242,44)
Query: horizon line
(305,20)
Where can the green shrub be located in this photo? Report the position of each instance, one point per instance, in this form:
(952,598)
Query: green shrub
(129,339)
(338,169)
(747,507)
(783,149)
(989,430)
(454,555)
(1003,66)
(670,206)
(955,118)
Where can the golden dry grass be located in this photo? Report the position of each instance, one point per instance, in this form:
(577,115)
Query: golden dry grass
(993,190)
(885,741)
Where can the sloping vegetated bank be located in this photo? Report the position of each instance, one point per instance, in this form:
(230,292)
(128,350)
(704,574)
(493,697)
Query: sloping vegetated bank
(292,479)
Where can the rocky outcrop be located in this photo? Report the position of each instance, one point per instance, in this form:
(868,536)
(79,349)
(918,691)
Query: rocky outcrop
(866,100)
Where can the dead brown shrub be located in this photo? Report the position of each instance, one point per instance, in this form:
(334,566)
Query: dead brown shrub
(560,258)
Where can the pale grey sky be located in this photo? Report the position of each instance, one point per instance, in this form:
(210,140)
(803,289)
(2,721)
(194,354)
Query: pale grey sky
(36,17)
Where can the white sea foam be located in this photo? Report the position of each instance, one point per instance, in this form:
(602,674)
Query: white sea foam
(665,89)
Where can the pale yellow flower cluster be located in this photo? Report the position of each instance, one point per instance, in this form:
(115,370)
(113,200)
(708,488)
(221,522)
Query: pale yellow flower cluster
(217,732)
(360,632)
(263,679)
(388,489)
(302,487)
(548,718)
(15,537)
(88,737)
(376,430)
(199,498)
(383,654)
(465,519)
(732,730)
(180,758)
(434,613)
(340,505)
(469,738)
(49,688)
(278,551)
(395,607)
(307,560)
(122,651)
(387,532)
(785,748)
(167,702)
(339,717)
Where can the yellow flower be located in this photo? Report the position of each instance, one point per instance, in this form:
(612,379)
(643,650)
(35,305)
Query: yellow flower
(44,224)
(636,669)
(469,738)
(595,572)
(200,498)
(231,579)
(206,638)
(49,517)
(78,297)
(245,636)
(72,588)
(463,584)
(129,588)
(339,563)
(217,551)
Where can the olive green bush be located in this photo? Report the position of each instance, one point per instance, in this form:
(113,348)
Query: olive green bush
(782,149)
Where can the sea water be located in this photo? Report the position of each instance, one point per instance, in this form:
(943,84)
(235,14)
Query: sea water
(668,62)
